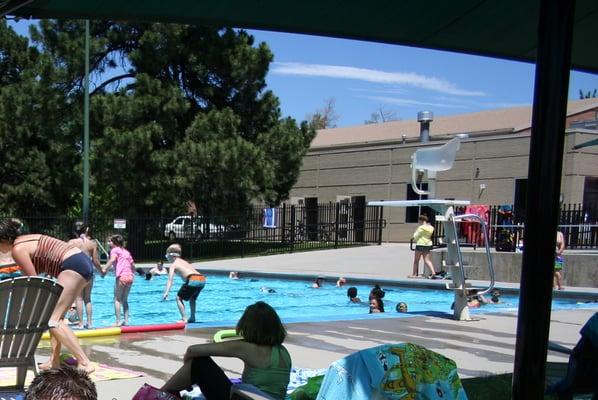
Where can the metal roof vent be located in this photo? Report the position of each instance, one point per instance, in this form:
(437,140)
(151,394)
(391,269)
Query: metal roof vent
(424,118)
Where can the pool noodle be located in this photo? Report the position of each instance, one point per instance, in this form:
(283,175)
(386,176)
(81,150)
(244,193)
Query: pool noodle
(153,327)
(91,333)
(113,331)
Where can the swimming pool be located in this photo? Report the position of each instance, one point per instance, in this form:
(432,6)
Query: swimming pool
(223,301)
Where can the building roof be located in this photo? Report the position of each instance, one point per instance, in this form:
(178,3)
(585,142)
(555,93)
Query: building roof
(506,120)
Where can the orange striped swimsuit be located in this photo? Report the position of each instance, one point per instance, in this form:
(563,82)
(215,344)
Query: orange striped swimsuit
(49,255)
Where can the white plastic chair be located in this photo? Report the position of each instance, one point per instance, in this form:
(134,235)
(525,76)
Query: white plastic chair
(432,160)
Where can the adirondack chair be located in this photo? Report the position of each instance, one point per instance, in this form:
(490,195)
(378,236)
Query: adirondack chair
(26,304)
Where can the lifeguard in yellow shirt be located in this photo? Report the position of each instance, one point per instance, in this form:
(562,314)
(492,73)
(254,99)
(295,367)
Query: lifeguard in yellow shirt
(423,245)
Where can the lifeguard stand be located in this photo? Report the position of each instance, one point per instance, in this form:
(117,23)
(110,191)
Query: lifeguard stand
(429,161)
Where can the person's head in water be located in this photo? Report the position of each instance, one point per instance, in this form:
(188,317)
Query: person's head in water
(352,292)
(173,251)
(318,282)
(495,296)
(401,307)
(376,305)
(377,292)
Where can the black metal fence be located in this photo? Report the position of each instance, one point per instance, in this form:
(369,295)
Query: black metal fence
(579,228)
(259,231)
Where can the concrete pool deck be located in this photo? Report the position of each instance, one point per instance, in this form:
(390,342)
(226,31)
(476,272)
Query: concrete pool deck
(481,347)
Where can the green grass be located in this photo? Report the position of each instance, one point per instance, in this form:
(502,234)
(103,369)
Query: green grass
(492,387)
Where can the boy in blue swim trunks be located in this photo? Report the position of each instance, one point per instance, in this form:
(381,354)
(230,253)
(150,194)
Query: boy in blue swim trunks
(194,281)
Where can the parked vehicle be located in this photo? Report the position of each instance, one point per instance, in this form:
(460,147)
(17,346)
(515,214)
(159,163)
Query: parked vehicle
(191,228)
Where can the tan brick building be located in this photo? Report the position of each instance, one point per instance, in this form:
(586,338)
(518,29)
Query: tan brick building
(371,162)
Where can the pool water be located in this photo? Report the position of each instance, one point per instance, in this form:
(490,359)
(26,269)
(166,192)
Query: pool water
(223,300)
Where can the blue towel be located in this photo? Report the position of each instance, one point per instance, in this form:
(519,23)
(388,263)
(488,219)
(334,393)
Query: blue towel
(393,371)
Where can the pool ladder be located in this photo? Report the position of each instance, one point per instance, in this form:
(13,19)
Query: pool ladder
(454,261)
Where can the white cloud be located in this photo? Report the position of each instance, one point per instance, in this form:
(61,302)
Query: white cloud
(395,100)
(372,75)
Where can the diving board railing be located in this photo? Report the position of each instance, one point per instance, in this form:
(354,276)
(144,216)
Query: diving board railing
(486,245)
(454,258)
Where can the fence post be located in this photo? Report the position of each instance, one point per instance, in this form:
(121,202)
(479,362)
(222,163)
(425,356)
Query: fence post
(337,214)
(283,222)
(380,220)
(292,228)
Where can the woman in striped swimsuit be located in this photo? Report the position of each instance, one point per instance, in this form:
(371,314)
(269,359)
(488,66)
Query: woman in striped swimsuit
(41,254)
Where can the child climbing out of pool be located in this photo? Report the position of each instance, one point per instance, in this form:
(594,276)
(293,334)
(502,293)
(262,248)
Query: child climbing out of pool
(194,281)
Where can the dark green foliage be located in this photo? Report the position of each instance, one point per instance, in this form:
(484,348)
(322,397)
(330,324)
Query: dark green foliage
(178,113)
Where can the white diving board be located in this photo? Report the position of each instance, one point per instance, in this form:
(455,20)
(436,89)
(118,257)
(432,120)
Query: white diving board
(412,203)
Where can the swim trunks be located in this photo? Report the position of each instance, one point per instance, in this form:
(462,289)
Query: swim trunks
(559,262)
(192,287)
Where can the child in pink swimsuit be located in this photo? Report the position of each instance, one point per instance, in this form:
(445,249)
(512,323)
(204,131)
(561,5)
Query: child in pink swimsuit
(124,267)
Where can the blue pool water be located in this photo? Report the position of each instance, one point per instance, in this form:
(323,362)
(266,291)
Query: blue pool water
(223,300)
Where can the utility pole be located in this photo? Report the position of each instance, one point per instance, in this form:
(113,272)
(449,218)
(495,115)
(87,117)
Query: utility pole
(86,129)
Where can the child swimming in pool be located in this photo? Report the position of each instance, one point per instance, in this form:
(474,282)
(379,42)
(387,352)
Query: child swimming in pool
(194,281)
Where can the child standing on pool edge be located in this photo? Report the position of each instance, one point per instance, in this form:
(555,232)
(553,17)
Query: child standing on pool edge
(124,267)
(194,281)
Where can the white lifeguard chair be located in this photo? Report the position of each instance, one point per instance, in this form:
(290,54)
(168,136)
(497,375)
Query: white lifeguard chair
(428,161)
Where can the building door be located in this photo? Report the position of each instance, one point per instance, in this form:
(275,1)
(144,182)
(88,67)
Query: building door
(311,218)
(359,217)
(519,206)
(590,199)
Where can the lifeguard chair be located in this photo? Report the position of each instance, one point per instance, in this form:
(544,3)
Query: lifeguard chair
(428,161)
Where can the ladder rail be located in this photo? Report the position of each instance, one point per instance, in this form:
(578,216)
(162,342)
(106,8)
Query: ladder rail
(453,219)
(486,245)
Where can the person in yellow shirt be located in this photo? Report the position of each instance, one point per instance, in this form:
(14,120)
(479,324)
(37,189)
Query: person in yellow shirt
(423,245)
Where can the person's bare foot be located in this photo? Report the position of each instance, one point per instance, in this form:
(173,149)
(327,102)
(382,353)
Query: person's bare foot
(46,366)
(184,320)
(117,323)
(88,368)
(412,276)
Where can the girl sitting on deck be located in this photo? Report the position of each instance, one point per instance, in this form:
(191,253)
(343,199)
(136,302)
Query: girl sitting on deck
(267,361)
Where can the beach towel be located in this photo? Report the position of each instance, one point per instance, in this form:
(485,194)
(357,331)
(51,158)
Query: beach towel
(402,371)
(103,372)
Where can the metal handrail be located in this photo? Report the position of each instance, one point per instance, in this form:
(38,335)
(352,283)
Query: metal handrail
(102,248)
(459,256)
(486,245)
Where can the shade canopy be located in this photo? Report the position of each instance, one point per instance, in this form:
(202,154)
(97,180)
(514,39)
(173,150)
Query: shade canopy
(505,29)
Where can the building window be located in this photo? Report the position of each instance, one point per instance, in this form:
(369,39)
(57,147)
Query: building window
(412,213)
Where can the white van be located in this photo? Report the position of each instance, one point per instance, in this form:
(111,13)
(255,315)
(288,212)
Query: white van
(188,227)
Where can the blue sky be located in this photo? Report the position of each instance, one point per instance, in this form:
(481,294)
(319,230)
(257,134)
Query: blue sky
(364,77)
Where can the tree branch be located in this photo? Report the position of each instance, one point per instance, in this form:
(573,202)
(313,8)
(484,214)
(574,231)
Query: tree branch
(113,79)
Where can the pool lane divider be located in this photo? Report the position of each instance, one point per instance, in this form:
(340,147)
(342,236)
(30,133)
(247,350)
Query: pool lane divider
(117,330)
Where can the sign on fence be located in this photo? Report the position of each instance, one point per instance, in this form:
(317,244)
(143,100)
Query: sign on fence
(120,223)
(269,218)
